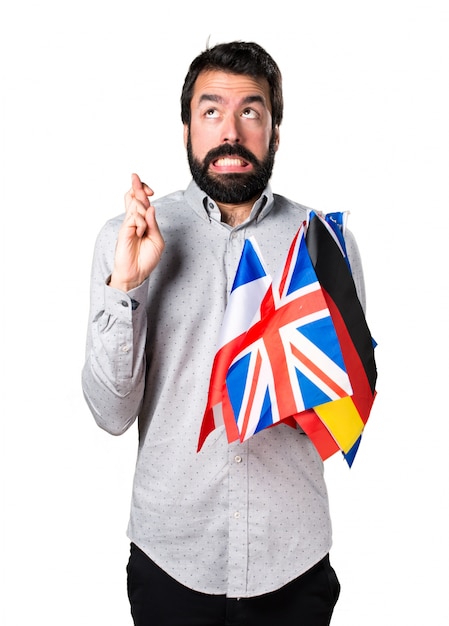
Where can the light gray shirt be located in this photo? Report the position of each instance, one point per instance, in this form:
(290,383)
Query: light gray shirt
(235,519)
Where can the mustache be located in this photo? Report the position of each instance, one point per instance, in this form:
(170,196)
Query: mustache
(229,150)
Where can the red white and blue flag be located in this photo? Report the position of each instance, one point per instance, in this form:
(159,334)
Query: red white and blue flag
(290,358)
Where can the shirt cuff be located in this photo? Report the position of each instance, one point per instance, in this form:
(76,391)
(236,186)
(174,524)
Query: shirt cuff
(122,304)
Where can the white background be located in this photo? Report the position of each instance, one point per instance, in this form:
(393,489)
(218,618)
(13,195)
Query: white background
(90,93)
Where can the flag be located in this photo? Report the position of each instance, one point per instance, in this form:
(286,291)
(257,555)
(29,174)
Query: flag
(290,359)
(250,285)
(345,419)
(295,350)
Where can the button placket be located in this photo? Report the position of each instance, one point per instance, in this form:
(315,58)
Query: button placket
(238,514)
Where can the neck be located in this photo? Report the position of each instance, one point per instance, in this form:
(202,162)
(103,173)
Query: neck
(235,214)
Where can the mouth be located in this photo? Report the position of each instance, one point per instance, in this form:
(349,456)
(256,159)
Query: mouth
(226,164)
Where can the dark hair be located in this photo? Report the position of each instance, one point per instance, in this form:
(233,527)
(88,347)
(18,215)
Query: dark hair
(237,57)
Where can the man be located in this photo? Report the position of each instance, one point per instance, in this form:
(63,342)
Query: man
(238,533)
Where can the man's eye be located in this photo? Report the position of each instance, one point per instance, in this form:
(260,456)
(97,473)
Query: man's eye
(211,112)
(249,113)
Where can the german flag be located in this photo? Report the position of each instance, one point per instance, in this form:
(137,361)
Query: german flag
(339,424)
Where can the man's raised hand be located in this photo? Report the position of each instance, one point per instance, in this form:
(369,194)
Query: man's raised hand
(140,243)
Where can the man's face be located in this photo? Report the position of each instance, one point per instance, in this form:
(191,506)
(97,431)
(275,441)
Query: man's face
(230,141)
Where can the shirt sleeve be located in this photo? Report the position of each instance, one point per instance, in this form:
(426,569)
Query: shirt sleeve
(113,376)
(355,261)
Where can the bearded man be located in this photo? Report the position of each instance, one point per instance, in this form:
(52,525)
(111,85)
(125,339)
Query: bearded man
(238,533)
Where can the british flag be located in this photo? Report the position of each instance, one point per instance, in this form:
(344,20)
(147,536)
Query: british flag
(289,360)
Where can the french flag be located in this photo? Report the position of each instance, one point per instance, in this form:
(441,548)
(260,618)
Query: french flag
(250,285)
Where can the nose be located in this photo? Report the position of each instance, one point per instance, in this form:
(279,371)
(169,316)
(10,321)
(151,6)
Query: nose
(231,130)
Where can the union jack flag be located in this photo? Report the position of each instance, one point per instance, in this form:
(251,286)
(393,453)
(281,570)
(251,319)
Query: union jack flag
(290,359)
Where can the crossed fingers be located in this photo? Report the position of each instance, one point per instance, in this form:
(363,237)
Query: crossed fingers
(137,203)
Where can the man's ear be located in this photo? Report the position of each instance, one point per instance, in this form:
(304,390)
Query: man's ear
(186,134)
(276,137)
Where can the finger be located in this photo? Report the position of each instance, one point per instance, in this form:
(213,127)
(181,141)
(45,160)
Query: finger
(148,191)
(141,226)
(153,231)
(135,207)
(133,204)
(136,183)
(136,221)
(140,190)
(150,218)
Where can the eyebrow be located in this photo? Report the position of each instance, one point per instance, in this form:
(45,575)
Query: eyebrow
(207,97)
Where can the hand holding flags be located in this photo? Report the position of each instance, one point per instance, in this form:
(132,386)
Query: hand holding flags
(280,355)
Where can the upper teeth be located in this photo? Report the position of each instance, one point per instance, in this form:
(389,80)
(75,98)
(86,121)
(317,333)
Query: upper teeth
(228,161)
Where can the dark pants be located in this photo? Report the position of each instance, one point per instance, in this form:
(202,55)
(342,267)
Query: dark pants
(159,600)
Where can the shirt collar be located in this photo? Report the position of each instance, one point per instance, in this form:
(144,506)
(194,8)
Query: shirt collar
(207,208)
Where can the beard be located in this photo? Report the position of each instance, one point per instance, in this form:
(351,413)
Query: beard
(232,188)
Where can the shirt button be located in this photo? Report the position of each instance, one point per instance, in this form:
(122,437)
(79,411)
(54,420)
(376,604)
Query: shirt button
(236,515)
(125,348)
(124,303)
(238,459)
